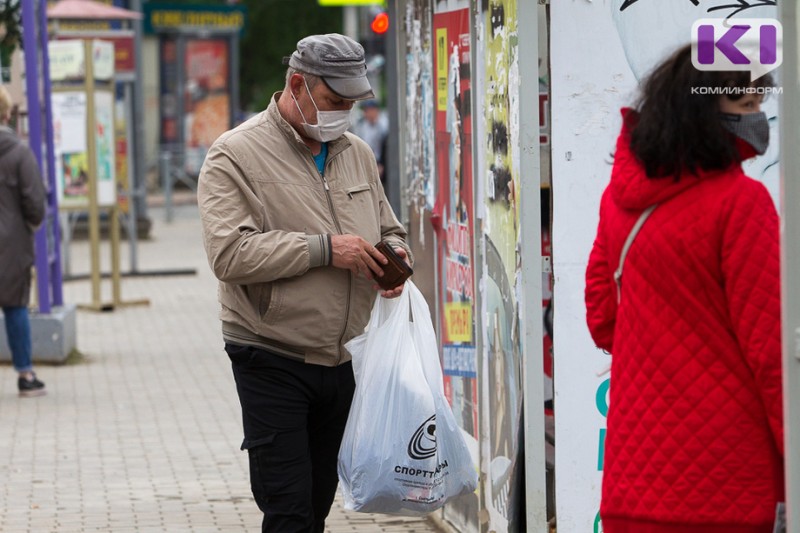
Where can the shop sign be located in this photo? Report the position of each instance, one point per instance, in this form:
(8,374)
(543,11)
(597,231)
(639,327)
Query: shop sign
(164,18)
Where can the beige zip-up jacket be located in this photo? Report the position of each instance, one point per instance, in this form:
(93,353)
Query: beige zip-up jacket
(267,215)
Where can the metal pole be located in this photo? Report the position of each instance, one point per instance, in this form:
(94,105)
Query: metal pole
(94,209)
(351,22)
(164,171)
(116,277)
(66,223)
(139,181)
(396,157)
(56,275)
(132,223)
(531,234)
(32,69)
(393,103)
(790,260)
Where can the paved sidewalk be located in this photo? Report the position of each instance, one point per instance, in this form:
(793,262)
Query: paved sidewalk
(144,433)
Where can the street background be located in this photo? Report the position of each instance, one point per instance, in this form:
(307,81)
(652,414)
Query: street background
(141,431)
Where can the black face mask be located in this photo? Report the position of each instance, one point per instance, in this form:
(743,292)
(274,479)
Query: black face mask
(752,128)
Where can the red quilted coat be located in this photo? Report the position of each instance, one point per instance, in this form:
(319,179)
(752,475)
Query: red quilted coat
(695,435)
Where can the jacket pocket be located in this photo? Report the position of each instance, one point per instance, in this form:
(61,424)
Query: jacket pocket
(350,191)
(265,299)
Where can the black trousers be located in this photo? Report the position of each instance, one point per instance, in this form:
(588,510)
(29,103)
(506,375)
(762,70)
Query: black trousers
(294,416)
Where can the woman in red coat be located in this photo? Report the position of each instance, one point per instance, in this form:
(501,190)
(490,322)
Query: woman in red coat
(695,430)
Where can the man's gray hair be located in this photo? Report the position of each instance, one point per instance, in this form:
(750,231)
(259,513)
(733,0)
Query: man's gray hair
(311,79)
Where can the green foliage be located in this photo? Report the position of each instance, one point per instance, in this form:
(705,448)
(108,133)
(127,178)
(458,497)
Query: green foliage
(272,31)
(10,19)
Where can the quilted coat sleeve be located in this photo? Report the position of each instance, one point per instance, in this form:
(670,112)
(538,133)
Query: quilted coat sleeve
(601,291)
(751,273)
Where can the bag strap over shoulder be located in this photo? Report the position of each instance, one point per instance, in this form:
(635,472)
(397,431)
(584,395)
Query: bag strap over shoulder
(625,247)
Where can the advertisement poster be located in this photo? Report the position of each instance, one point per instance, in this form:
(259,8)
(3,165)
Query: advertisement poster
(105,148)
(69,140)
(67,60)
(453,223)
(592,78)
(206,98)
(103,59)
(501,398)
(419,108)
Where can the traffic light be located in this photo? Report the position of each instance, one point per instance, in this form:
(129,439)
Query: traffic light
(380,23)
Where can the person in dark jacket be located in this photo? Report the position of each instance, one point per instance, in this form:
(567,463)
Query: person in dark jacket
(695,441)
(22,209)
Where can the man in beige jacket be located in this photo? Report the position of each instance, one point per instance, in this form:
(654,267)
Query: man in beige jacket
(292,207)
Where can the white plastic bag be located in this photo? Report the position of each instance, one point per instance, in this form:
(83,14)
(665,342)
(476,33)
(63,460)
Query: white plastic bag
(402,452)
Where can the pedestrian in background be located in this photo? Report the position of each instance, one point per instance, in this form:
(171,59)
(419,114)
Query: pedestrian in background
(22,209)
(291,206)
(694,442)
(373,127)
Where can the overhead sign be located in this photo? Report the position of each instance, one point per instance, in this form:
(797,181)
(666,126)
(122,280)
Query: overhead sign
(164,18)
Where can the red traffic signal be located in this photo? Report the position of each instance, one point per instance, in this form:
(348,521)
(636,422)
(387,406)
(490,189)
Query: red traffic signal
(380,23)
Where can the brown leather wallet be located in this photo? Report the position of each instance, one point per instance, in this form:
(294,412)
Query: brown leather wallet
(396,271)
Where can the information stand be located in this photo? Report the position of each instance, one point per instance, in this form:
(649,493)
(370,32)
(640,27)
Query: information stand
(82,73)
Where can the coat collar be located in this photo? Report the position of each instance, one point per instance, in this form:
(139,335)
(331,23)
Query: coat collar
(273,115)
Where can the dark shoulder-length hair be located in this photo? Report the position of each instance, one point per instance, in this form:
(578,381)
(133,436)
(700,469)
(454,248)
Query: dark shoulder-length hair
(677,127)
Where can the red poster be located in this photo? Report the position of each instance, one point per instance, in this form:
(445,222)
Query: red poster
(206,98)
(452,215)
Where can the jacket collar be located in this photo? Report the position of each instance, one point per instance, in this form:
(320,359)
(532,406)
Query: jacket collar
(274,116)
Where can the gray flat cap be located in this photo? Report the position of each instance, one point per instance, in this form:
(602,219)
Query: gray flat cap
(338,60)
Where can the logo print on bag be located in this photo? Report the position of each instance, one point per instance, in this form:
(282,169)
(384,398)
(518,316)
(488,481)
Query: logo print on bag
(423,442)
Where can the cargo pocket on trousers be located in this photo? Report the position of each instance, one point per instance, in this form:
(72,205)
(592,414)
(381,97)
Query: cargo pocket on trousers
(250,444)
(261,471)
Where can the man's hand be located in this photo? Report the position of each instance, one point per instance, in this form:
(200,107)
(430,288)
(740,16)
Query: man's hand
(353,253)
(397,291)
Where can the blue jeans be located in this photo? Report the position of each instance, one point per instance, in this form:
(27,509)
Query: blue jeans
(18,332)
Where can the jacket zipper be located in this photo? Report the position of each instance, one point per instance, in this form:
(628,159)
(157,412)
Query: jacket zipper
(350,275)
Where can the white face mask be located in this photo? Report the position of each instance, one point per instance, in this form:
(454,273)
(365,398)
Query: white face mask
(330,124)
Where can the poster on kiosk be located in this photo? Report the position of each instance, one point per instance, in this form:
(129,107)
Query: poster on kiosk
(592,78)
(83,122)
(453,222)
